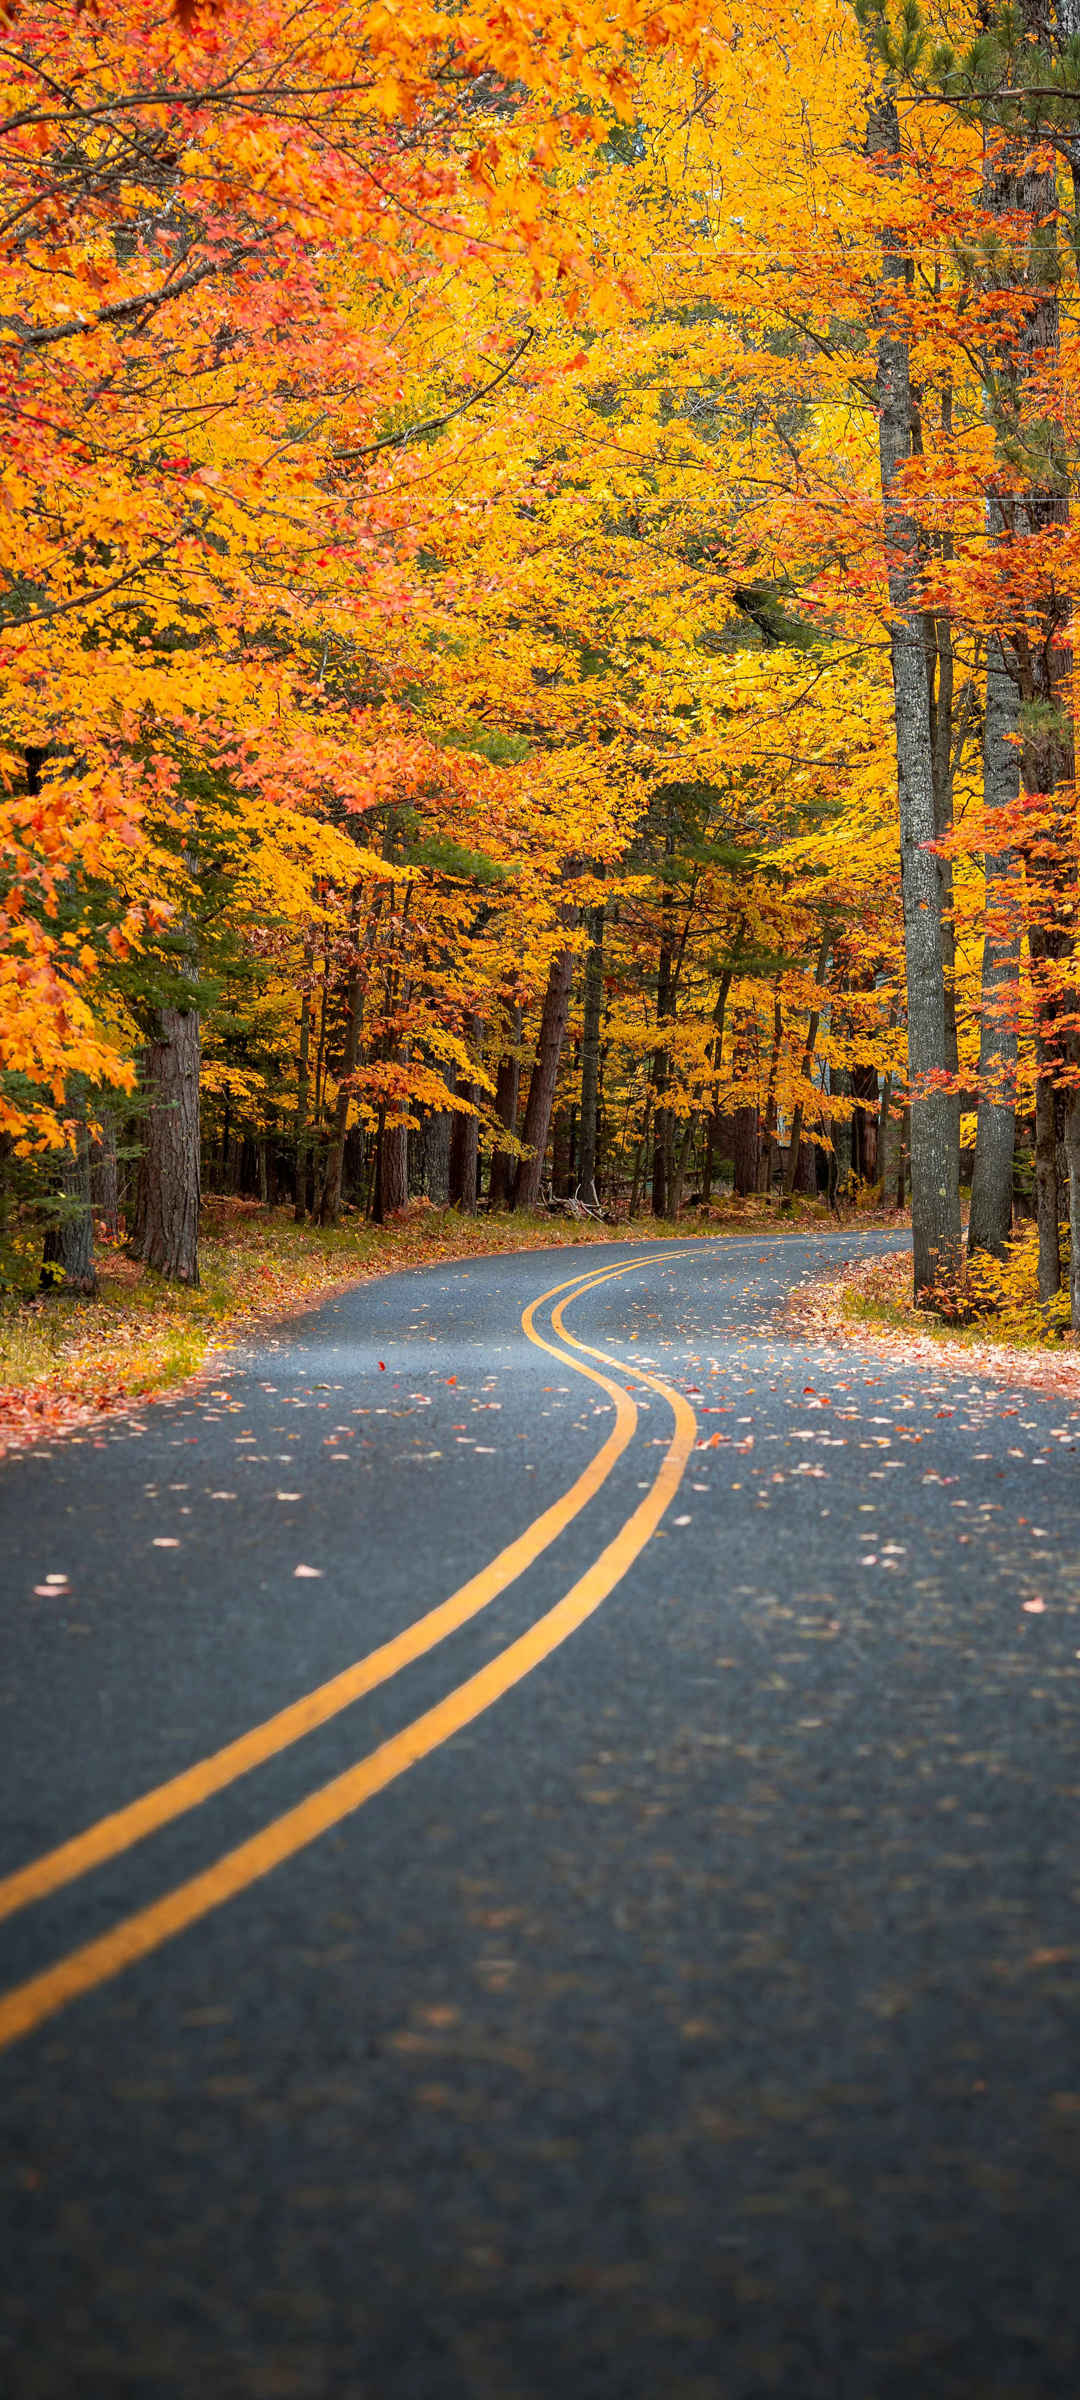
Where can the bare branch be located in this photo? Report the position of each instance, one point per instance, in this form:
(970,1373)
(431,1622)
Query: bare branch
(413,433)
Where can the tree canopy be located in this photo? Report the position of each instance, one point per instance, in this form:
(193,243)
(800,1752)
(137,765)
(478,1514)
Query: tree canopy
(536,564)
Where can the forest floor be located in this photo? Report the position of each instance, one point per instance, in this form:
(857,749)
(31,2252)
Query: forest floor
(64,1361)
(871,1300)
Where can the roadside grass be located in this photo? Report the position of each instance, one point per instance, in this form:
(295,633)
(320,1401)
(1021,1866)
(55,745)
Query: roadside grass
(64,1360)
(994,1305)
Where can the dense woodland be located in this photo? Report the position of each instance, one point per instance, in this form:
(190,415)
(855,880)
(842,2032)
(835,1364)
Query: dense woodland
(536,562)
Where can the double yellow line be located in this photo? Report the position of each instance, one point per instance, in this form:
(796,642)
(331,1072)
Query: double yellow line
(29,2004)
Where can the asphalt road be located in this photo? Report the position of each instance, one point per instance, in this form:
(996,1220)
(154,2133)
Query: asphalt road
(695,2014)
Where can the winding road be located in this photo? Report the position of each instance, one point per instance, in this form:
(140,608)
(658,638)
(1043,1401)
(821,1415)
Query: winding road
(540,1859)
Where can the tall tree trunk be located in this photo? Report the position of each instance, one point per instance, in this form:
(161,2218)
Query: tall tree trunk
(438,1132)
(682,1160)
(465,1137)
(590,1056)
(640,1153)
(330,1200)
(990,1221)
(935,1158)
(1072,1153)
(765,1161)
(167,1203)
(716,1054)
(507,1093)
(105,1169)
(393,1170)
(864,1122)
(67,1263)
(1019,185)
(464,1154)
(301,1138)
(1047,1198)
(665,1010)
(791,1167)
(744,1147)
(545,1074)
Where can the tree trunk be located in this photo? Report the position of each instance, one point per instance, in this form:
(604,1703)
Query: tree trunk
(562,1152)
(67,1262)
(1047,1198)
(105,1171)
(301,1141)
(438,1130)
(534,1132)
(464,1154)
(791,1169)
(990,1222)
(765,1160)
(935,1159)
(1019,184)
(640,1152)
(394,1170)
(330,1201)
(167,1204)
(744,1149)
(590,1057)
(716,1049)
(682,1158)
(507,1093)
(665,1011)
(864,1122)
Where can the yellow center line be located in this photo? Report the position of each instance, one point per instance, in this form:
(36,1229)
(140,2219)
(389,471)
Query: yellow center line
(123,1827)
(30,2003)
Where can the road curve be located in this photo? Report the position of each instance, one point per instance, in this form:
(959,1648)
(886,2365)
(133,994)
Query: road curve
(538,1859)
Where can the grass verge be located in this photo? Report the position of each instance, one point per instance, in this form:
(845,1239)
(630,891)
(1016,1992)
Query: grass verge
(64,1361)
(871,1300)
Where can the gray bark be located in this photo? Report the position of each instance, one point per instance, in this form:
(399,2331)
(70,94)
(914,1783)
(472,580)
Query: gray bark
(791,1168)
(465,1154)
(105,1170)
(1047,1196)
(590,1055)
(167,1204)
(744,1148)
(534,1132)
(465,1135)
(330,1200)
(682,1160)
(935,1158)
(507,1095)
(990,1222)
(302,1085)
(768,1138)
(1072,1153)
(394,1169)
(437,1133)
(67,1263)
(1033,442)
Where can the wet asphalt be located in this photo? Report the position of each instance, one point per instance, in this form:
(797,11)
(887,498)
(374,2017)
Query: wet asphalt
(701,2021)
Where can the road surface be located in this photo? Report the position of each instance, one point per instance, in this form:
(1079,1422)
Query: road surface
(540,1860)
